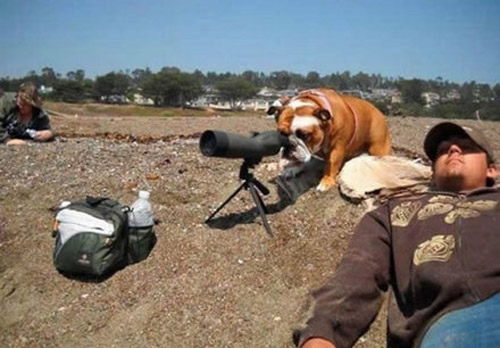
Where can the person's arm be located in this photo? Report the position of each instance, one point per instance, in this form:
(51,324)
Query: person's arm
(44,133)
(346,306)
(11,142)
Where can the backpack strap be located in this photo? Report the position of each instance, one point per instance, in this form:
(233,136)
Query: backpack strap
(110,203)
(93,201)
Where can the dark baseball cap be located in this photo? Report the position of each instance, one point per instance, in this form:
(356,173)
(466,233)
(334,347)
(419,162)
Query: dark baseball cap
(447,130)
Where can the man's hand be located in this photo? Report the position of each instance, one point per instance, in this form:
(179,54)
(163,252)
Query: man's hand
(43,135)
(15,142)
(318,343)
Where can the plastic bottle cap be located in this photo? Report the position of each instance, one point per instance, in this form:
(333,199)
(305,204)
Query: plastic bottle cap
(144,194)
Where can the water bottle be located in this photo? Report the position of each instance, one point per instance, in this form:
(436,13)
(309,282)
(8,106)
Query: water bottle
(141,237)
(31,132)
(141,214)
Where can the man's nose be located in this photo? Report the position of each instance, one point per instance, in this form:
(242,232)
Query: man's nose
(454,148)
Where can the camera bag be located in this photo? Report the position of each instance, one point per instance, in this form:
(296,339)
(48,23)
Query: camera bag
(91,236)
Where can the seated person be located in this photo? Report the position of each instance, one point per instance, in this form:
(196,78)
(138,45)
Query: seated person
(22,118)
(437,253)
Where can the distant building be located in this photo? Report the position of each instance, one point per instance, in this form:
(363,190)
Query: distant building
(211,98)
(288,93)
(431,99)
(45,90)
(381,93)
(452,95)
(396,98)
(354,92)
(267,92)
(139,99)
(115,99)
(256,104)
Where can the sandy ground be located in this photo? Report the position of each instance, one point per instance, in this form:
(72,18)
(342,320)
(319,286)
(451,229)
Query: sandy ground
(222,284)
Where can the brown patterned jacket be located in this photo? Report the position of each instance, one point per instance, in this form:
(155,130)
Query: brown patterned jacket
(437,252)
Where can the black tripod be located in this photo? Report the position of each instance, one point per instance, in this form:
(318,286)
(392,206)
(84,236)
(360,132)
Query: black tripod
(253,185)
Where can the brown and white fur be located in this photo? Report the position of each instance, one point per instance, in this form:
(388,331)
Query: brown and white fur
(333,127)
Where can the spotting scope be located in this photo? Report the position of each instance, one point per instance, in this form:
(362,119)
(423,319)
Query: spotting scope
(221,144)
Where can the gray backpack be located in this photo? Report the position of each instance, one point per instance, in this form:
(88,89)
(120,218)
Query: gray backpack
(91,237)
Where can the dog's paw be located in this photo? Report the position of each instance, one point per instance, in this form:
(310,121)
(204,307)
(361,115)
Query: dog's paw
(325,184)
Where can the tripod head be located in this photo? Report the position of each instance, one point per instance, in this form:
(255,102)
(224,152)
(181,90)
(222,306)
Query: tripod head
(248,177)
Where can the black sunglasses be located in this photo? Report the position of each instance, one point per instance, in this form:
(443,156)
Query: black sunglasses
(467,145)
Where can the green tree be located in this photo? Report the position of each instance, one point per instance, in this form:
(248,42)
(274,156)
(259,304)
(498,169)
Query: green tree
(412,109)
(460,109)
(362,81)
(345,80)
(467,92)
(49,77)
(78,75)
(112,84)
(484,92)
(212,78)
(280,79)
(411,91)
(490,111)
(253,77)
(140,75)
(171,87)
(69,91)
(296,81)
(312,80)
(236,89)
(198,76)
(496,91)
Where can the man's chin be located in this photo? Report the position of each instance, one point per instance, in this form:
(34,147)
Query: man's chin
(452,183)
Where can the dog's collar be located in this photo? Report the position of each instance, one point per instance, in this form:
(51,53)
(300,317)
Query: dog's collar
(325,104)
(355,123)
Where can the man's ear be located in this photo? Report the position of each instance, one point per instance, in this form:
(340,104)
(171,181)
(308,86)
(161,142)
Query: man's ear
(492,172)
(323,114)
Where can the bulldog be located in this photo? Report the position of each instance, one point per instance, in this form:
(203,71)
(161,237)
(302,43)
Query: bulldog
(322,123)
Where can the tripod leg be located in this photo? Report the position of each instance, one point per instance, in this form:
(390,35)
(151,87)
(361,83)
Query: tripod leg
(260,186)
(262,204)
(260,207)
(226,201)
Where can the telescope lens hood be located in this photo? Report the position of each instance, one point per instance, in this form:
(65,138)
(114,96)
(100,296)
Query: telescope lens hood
(214,143)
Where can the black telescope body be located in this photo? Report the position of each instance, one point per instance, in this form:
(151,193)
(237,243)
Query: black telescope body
(221,144)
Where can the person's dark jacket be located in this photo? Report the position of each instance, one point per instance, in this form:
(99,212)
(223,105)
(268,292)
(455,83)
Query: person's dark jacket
(437,252)
(12,128)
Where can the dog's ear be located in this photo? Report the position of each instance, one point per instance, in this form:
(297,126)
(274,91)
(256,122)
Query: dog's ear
(323,114)
(272,110)
(277,106)
(276,111)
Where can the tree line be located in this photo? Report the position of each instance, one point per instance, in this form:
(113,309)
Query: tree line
(172,87)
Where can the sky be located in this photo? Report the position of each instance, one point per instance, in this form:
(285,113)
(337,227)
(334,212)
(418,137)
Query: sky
(456,40)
